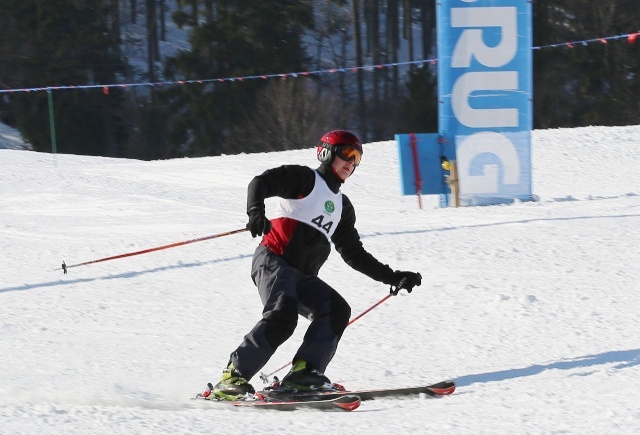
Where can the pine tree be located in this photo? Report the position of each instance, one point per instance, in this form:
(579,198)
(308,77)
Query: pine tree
(592,84)
(62,43)
(237,38)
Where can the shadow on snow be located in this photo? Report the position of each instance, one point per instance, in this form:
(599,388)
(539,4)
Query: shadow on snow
(125,275)
(623,358)
(496,224)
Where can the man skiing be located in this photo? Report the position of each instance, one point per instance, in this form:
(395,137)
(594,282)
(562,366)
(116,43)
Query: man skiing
(311,213)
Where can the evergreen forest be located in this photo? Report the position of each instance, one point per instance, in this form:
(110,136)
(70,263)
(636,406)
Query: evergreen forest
(45,43)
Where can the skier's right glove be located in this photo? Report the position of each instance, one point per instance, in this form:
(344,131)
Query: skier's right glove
(258,223)
(404,280)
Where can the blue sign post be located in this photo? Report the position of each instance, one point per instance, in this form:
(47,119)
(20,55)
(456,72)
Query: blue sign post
(485,92)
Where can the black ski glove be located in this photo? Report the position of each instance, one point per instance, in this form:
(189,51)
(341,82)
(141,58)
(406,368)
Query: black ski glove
(404,280)
(258,223)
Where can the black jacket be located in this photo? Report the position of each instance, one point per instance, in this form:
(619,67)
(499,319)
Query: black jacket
(307,249)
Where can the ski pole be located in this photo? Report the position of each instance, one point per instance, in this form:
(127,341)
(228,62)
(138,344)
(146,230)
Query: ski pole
(265,378)
(369,309)
(145,251)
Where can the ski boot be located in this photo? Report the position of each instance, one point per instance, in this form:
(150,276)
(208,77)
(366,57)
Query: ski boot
(232,386)
(303,377)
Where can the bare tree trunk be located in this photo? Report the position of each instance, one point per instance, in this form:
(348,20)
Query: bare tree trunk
(428,18)
(393,44)
(209,10)
(134,10)
(359,61)
(152,38)
(115,20)
(194,11)
(163,26)
(407,28)
(372,15)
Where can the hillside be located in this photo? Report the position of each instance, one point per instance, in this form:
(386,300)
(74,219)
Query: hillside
(531,307)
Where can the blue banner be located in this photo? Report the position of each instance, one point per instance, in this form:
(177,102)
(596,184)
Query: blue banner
(485,94)
(420,164)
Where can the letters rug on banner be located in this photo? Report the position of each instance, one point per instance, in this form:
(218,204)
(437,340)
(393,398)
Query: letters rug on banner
(485,91)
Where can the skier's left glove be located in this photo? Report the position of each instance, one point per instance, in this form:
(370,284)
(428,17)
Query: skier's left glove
(404,280)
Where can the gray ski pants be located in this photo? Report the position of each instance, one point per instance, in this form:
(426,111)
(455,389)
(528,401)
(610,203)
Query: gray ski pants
(286,293)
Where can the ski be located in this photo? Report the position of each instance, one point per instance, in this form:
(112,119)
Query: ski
(438,389)
(343,403)
(335,399)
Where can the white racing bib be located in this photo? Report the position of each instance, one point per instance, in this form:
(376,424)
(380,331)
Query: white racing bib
(321,209)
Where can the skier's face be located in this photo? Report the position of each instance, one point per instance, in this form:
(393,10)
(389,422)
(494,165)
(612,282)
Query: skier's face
(343,168)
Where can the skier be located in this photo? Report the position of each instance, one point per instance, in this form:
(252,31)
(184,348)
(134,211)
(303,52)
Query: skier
(311,213)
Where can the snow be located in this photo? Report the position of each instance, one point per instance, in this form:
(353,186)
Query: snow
(532,307)
(10,138)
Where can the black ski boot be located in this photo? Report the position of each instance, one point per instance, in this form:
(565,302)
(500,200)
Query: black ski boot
(303,377)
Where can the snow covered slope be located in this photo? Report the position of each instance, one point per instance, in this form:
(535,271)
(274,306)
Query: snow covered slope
(531,307)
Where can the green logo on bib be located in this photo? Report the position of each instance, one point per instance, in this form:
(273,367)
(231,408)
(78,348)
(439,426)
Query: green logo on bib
(329,206)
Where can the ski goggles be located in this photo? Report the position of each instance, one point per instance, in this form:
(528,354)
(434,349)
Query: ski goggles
(349,153)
